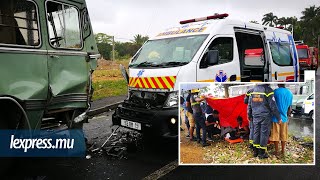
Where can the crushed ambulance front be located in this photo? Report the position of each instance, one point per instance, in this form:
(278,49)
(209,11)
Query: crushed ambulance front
(154,73)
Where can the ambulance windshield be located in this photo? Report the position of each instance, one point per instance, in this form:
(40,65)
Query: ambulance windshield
(168,52)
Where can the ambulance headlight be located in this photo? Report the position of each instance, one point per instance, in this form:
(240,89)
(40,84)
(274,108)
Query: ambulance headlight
(173,120)
(172,100)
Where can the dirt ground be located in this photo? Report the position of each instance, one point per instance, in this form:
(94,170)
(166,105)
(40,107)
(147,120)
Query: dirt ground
(109,70)
(221,152)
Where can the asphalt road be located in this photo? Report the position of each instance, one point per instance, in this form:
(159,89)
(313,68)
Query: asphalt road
(157,159)
(135,165)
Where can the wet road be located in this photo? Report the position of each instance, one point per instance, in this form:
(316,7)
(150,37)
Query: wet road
(136,165)
(301,126)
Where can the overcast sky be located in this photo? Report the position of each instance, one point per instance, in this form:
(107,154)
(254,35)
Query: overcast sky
(125,18)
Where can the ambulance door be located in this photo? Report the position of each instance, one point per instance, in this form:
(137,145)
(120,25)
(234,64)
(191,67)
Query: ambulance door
(284,65)
(226,68)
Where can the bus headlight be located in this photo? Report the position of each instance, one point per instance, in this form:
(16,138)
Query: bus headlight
(172,100)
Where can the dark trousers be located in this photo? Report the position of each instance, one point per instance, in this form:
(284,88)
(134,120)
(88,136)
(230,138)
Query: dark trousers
(186,121)
(212,131)
(200,124)
(251,132)
(261,128)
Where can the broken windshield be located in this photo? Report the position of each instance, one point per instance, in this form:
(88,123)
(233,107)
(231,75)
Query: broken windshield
(168,52)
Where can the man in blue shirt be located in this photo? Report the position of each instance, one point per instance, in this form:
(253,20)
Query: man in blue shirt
(279,131)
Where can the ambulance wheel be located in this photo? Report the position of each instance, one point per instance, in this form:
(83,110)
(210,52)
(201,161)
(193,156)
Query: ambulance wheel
(311,115)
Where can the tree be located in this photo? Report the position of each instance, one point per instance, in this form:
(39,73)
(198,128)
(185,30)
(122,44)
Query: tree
(104,42)
(282,22)
(311,24)
(139,39)
(269,19)
(103,38)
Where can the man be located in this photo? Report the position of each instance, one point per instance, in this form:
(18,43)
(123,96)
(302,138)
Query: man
(246,100)
(185,118)
(261,107)
(182,114)
(189,114)
(198,116)
(279,131)
(212,122)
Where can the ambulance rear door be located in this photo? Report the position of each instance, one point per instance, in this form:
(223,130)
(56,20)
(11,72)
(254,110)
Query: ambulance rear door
(284,59)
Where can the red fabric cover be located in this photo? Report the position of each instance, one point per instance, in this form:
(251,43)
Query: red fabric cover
(229,109)
(239,140)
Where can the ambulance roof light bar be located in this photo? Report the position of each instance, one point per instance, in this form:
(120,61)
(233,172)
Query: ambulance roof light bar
(216,16)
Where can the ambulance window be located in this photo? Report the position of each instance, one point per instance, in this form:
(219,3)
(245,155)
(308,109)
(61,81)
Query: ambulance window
(281,53)
(19,23)
(63,25)
(311,97)
(225,47)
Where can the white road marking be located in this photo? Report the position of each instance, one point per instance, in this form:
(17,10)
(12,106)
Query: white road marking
(162,171)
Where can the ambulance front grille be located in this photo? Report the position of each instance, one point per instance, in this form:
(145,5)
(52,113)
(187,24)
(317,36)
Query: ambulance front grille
(146,100)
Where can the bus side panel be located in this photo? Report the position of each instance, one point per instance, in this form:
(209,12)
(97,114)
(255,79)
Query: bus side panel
(68,80)
(24,76)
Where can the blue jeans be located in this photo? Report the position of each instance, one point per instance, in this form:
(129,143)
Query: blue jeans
(200,124)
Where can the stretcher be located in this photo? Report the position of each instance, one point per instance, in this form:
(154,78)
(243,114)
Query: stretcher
(234,141)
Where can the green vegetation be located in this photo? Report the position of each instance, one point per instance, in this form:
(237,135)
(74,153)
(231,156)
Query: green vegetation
(123,50)
(307,28)
(107,88)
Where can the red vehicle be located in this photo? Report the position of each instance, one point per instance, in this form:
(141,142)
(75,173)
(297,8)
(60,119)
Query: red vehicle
(304,55)
(314,57)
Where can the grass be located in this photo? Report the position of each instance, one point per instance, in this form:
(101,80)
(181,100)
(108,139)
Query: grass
(107,79)
(221,152)
(107,88)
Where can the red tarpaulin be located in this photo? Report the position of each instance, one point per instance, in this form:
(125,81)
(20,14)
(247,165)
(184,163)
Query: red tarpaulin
(229,109)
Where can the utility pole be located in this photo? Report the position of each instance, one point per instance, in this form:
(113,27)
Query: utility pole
(113,48)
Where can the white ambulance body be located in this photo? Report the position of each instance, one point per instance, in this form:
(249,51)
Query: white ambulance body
(308,106)
(211,49)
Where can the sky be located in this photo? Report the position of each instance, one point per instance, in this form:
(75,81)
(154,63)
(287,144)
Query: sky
(126,18)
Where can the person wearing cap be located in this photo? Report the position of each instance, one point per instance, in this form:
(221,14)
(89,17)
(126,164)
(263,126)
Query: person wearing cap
(261,107)
(198,116)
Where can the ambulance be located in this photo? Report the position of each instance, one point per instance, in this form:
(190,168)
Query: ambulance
(208,49)
(308,106)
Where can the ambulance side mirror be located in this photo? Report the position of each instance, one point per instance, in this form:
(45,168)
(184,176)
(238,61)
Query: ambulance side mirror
(124,73)
(212,57)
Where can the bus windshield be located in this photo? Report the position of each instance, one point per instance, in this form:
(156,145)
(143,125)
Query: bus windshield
(302,53)
(168,52)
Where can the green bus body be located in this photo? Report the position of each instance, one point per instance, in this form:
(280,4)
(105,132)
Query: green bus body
(47,56)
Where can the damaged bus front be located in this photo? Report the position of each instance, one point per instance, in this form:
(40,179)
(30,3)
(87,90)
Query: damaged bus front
(47,55)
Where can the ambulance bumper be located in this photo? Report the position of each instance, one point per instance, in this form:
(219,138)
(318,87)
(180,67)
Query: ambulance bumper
(157,122)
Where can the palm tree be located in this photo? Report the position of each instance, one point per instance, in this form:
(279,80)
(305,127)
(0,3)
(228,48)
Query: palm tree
(310,23)
(282,22)
(139,39)
(269,19)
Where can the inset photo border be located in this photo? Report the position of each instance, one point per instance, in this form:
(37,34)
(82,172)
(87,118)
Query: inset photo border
(225,117)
